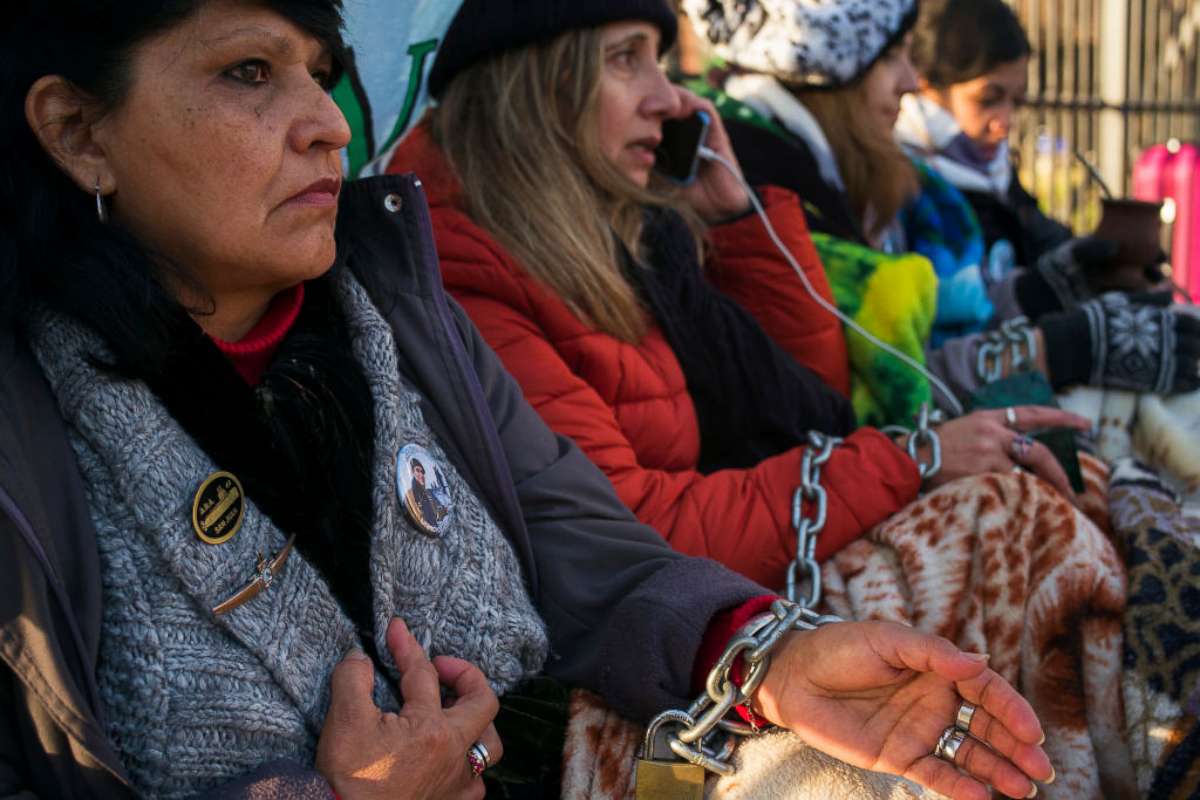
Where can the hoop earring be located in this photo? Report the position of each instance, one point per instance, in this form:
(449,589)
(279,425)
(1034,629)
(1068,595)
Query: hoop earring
(101,211)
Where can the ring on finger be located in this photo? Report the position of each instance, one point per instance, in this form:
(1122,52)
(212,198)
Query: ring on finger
(949,743)
(478,759)
(1010,417)
(1020,447)
(966,713)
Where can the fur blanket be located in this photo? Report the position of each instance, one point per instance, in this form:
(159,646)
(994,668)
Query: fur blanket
(998,564)
(1161,432)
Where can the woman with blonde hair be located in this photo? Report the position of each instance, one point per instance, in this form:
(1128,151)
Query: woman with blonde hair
(583,270)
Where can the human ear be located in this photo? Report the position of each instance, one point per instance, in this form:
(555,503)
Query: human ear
(64,119)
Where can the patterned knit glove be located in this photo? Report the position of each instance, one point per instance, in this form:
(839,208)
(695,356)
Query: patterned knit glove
(1124,342)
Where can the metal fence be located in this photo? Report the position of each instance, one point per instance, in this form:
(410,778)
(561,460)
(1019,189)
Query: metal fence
(1108,79)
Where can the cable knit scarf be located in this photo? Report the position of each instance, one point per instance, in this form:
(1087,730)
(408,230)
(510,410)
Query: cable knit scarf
(193,700)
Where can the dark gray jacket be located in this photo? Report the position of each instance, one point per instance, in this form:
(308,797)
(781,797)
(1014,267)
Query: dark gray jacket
(625,613)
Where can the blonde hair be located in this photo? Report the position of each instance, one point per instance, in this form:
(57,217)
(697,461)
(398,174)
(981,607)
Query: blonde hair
(521,132)
(879,177)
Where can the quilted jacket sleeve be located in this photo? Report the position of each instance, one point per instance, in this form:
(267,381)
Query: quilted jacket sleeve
(746,265)
(738,517)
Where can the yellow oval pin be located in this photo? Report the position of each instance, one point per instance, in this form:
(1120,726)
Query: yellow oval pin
(219,507)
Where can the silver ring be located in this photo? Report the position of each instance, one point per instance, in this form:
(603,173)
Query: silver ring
(478,759)
(1010,417)
(966,713)
(1020,447)
(948,744)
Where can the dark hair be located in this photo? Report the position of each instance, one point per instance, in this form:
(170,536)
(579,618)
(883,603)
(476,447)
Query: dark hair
(959,40)
(54,252)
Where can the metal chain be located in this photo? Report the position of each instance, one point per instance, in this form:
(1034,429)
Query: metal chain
(1014,336)
(704,736)
(924,435)
(808,529)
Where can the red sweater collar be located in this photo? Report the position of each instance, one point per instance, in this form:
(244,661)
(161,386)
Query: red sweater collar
(252,354)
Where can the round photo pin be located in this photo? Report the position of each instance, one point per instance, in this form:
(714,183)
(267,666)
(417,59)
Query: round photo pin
(422,487)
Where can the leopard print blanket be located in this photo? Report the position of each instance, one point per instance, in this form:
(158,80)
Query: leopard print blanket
(998,563)
(1161,683)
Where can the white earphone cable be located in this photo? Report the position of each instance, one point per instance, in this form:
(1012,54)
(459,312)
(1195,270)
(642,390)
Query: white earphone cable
(951,400)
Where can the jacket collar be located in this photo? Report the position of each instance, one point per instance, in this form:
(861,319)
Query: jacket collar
(385,237)
(768,97)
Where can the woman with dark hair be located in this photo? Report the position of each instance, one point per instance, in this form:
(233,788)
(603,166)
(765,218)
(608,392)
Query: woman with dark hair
(972,59)
(209,390)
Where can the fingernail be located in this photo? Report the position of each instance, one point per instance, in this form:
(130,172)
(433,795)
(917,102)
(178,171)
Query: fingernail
(1032,792)
(1053,775)
(355,654)
(1042,741)
(981,657)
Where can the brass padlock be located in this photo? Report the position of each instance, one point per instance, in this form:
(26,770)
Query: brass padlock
(665,778)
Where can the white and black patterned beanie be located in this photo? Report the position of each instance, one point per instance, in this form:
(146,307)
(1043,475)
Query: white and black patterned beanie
(816,43)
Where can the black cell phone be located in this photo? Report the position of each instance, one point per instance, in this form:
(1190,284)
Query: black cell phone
(677,157)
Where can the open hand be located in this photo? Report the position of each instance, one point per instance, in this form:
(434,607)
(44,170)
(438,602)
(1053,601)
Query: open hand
(879,695)
(421,752)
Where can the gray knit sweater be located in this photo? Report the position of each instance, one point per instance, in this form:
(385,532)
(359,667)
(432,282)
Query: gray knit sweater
(193,700)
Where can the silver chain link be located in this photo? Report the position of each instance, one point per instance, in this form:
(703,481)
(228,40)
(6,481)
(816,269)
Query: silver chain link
(922,436)
(1014,336)
(808,528)
(704,736)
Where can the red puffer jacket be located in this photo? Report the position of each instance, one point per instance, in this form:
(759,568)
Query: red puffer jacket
(627,406)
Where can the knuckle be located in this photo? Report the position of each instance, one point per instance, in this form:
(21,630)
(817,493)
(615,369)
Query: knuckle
(979,760)
(437,737)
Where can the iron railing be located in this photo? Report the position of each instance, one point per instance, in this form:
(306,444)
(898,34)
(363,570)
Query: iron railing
(1108,79)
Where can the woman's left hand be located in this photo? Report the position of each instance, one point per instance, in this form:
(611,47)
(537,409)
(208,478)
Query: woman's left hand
(985,441)
(716,195)
(879,695)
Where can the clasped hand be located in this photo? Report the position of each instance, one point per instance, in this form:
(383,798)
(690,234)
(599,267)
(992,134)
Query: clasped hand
(420,752)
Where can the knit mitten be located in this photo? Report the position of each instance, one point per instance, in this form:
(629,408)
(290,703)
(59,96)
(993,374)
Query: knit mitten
(1061,278)
(1124,342)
